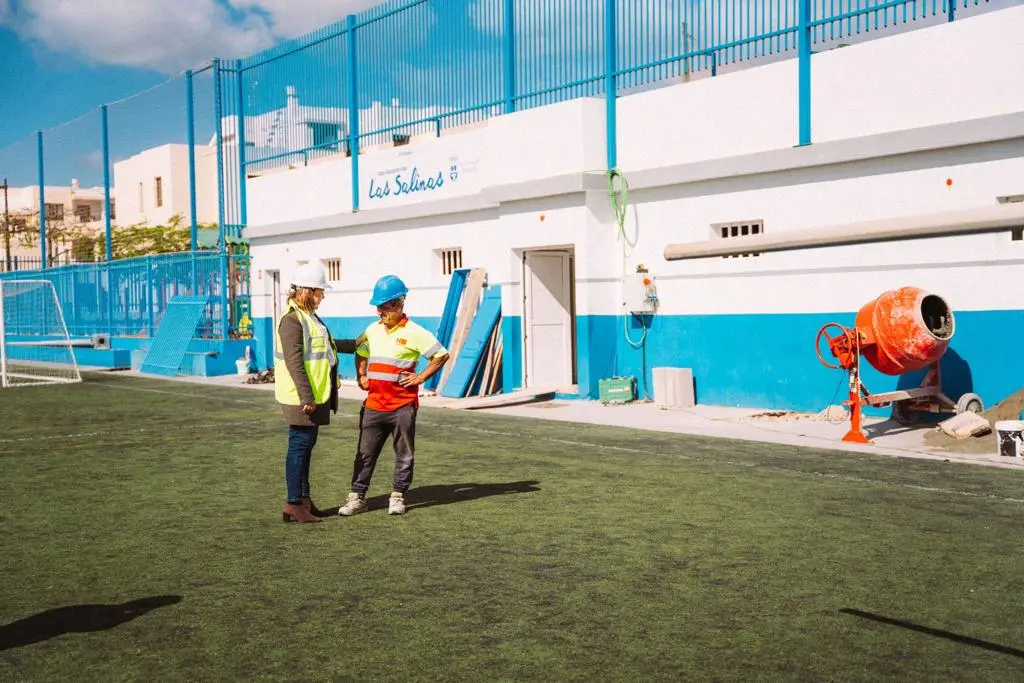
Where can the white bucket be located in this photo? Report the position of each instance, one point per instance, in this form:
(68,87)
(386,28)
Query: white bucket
(1010,438)
(242,365)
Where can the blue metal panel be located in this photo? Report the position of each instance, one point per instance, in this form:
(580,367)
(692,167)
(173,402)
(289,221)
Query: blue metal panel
(446,326)
(479,334)
(173,337)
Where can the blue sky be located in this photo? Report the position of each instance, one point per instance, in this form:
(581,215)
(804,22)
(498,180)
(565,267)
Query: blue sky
(61,59)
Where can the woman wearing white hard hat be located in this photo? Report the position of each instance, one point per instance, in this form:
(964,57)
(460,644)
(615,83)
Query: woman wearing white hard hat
(305,382)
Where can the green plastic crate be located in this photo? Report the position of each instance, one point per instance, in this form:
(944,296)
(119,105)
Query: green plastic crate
(617,389)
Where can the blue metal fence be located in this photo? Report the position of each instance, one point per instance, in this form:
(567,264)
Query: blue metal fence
(417,66)
(128,297)
(401,68)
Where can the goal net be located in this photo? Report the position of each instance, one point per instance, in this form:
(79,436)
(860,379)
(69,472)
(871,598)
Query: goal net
(35,347)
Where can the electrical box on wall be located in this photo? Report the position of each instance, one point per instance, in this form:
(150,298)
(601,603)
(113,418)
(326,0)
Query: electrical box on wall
(640,295)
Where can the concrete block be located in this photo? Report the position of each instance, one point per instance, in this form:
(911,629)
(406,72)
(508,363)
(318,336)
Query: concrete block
(673,387)
(965,425)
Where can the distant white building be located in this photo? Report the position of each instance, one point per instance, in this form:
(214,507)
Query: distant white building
(153,185)
(296,133)
(67,208)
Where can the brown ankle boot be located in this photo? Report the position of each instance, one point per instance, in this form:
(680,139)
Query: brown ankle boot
(297,513)
(312,509)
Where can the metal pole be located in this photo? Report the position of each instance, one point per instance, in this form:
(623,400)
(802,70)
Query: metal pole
(804,76)
(3,337)
(610,61)
(149,295)
(7,231)
(217,112)
(353,109)
(243,216)
(951,10)
(42,201)
(106,186)
(510,56)
(225,317)
(190,117)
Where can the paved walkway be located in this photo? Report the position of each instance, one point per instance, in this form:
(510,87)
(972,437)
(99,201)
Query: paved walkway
(795,429)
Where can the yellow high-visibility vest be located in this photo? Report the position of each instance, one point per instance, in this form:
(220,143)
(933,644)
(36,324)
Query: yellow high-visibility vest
(318,355)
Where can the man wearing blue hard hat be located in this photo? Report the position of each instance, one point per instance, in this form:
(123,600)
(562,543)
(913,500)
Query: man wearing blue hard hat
(386,368)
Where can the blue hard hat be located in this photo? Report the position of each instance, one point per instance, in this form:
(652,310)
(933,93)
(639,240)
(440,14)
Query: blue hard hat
(388,288)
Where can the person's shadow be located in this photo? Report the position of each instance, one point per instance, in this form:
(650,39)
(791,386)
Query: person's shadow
(443,494)
(77,619)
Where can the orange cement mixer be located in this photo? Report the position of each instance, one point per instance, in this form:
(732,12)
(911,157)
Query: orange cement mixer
(901,331)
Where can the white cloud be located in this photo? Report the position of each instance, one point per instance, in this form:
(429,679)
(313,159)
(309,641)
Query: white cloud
(5,11)
(169,36)
(289,18)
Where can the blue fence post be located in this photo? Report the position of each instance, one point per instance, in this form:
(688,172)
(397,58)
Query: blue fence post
(190,118)
(243,218)
(610,80)
(804,71)
(951,10)
(149,295)
(107,229)
(225,318)
(42,201)
(108,296)
(218,108)
(353,108)
(510,56)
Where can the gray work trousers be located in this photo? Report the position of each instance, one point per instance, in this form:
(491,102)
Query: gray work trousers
(375,427)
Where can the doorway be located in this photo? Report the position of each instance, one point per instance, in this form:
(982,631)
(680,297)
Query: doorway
(276,305)
(549,320)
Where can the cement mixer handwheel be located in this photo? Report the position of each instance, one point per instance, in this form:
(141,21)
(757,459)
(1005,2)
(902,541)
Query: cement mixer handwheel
(969,403)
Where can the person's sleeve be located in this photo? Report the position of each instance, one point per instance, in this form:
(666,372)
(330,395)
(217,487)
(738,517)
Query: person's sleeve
(363,349)
(428,346)
(345,345)
(290,330)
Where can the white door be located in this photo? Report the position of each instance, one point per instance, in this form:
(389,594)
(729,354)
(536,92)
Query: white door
(547,326)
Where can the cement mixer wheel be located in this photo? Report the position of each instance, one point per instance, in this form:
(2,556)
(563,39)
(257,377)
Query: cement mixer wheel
(969,403)
(904,414)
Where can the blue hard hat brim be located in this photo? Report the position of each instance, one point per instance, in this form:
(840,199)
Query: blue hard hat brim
(378,301)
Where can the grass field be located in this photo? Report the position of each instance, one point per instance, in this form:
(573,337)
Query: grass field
(141,540)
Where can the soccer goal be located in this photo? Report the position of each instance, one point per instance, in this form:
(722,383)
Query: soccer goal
(35,347)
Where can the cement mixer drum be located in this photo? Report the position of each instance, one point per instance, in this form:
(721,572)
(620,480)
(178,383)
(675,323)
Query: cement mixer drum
(904,330)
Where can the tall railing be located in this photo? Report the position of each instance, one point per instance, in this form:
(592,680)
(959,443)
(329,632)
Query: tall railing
(127,297)
(402,68)
(409,67)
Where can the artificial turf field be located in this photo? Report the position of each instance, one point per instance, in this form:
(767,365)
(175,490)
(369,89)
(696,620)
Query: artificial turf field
(141,540)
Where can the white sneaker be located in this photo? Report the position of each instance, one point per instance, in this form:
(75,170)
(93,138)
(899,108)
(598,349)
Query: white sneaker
(353,505)
(396,506)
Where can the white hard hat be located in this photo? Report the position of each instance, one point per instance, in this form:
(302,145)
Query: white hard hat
(311,275)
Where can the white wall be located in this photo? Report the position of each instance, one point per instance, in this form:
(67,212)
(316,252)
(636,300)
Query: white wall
(952,72)
(735,114)
(170,163)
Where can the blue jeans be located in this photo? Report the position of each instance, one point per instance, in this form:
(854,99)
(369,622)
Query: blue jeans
(296,461)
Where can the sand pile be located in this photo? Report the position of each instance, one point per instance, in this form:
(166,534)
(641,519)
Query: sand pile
(1008,409)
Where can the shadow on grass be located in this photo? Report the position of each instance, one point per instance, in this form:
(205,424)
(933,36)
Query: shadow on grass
(77,619)
(420,497)
(955,637)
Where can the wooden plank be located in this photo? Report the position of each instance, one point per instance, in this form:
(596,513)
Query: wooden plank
(499,400)
(485,378)
(467,311)
(497,366)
